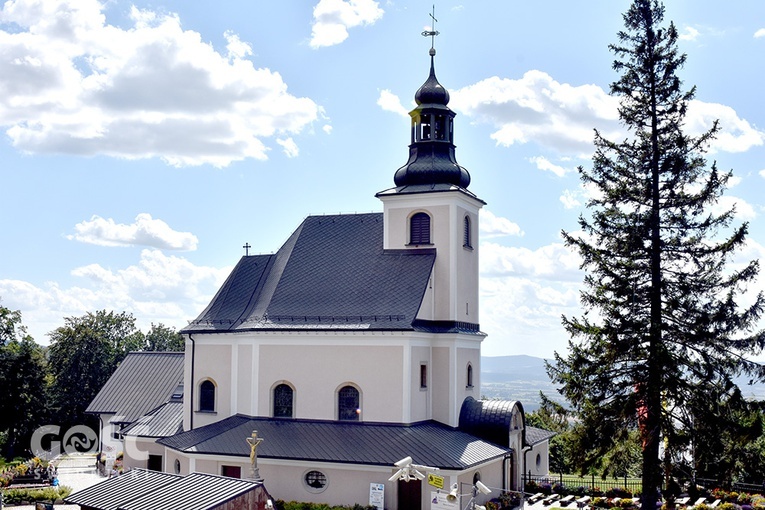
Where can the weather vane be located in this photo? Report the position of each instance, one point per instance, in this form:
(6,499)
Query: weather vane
(433,32)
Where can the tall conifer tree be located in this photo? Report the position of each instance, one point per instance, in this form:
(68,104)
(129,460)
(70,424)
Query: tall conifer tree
(662,321)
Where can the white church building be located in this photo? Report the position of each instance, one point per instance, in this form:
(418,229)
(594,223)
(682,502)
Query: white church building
(355,345)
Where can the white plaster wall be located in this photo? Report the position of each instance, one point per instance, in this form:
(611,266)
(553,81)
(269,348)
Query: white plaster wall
(318,371)
(213,362)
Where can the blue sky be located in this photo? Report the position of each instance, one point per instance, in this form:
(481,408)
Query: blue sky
(144,143)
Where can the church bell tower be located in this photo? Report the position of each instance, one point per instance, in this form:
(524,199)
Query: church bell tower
(431,207)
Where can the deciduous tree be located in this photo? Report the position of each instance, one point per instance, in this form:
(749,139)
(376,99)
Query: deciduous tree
(83,355)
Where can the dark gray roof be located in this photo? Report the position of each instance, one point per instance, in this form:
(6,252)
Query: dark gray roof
(429,443)
(489,419)
(197,491)
(163,421)
(332,273)
(535,435)
(112,492)
(142,382)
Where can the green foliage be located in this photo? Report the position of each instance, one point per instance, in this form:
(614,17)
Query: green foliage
(23,370)
(83,355)
(17,496)
(163,338)
(297,505)
(662,326)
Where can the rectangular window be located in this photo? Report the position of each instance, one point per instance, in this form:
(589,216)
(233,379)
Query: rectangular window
(231,471)
(423,375)
(154,463)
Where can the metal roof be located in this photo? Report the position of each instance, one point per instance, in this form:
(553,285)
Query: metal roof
(197,491)
(141,489)
(429,443)
(163,421)
(332,273)
(536,435)
(142,382)
(114,491)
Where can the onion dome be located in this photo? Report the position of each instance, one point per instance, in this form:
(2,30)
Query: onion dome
(431,152)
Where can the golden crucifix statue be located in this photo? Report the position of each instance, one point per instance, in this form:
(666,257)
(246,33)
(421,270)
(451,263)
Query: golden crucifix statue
(254,441)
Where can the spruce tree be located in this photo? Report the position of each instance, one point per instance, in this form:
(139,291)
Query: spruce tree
(663,322)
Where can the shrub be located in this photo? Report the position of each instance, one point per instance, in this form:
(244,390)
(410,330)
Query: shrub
(16,496)
(300,505)
(727,506)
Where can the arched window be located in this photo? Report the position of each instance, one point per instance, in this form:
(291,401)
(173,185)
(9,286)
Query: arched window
(207,396)
(419,229)
(466,241)
(282,401)
(348,405)
(469,375)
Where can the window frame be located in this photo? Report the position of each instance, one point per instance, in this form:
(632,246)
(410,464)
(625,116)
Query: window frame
(343,409)
(420,224)
(204,396)
(291,389)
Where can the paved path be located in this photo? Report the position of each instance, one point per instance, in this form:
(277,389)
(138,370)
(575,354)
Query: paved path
(75,471)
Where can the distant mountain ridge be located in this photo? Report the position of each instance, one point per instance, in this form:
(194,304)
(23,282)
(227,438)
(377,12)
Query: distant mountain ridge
(521,377)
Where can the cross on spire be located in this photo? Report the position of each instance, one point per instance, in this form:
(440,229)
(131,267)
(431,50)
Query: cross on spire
(432,33)
(246,249)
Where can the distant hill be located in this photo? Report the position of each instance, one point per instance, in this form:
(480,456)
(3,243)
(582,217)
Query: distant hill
(522,377)
(517,377)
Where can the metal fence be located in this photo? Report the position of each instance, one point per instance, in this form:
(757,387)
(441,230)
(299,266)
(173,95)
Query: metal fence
(583,484)
(601,486)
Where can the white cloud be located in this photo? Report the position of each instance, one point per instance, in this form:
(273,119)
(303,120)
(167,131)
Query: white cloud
(289,146)
(735,135)
(762,173)
(333,18)
(70,83)
(553,262)
(391,103)
(145,231)
(536,108)
(523,295)
(158,288)
(570,199)
(543,163)
(495,226)
(760,33)
(689,34)
(744,210)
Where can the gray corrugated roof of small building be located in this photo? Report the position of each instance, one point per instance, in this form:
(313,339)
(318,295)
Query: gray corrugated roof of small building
(535,435)
(112,492)
(143,381)
(197,491)
(163,421)
(429,443)
(332,273)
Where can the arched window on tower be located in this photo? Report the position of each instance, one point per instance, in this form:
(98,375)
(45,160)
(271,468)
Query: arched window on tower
(469,376)
(207,396)
(348,404)
(467,234)
(419,229)
(283,401)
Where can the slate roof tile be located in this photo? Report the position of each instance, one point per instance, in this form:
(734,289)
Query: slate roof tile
(332,273)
